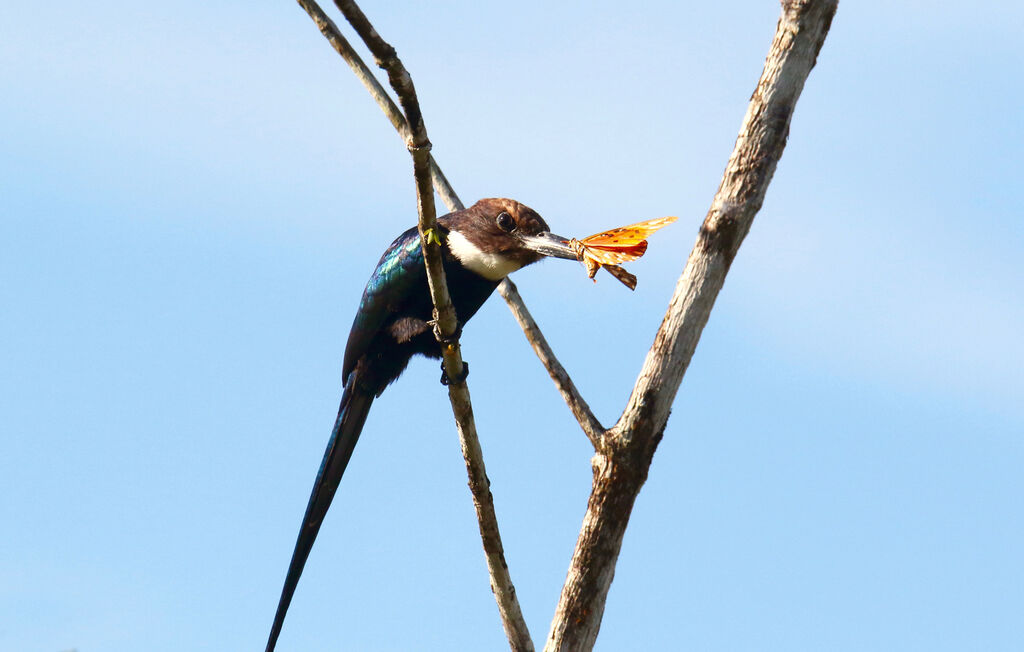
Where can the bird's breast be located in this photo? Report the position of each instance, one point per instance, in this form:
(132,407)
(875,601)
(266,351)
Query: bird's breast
(492,266)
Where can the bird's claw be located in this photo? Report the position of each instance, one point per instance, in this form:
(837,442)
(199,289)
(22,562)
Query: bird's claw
(461,378)
(446,339)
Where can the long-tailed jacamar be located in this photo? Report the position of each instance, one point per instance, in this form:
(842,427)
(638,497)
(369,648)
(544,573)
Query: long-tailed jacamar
(481,245)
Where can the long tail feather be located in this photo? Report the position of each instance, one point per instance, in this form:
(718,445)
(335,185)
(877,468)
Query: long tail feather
(355,405)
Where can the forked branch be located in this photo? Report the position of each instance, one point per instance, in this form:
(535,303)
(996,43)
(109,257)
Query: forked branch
(622,462)
(625,451)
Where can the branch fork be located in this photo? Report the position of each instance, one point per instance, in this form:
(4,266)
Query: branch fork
(624,451)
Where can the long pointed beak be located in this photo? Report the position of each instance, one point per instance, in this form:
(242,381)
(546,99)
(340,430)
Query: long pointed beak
(549,244)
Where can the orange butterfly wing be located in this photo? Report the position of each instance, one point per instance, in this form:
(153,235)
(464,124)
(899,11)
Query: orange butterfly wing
(615,246)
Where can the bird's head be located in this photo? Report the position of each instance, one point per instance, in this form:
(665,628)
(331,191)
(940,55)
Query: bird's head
(495,237)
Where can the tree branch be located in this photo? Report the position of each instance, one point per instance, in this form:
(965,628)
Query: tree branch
(413,131)
(384,101)
(591,426)
(625,452)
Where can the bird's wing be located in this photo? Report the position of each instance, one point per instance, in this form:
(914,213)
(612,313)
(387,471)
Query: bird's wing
(399,274)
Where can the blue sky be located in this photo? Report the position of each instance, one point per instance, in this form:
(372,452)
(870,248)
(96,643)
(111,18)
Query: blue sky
(192,197)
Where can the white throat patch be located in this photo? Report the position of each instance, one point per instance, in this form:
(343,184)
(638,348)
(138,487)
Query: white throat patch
(492,267)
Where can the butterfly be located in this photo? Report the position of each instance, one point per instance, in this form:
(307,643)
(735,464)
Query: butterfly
(620,245)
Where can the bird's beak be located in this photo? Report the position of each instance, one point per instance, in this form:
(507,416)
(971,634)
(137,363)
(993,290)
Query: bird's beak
(549,244)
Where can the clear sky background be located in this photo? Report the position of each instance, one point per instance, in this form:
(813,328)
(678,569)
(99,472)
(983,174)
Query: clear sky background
(192,196)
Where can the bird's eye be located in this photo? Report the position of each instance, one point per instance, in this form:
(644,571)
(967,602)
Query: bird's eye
(505,222)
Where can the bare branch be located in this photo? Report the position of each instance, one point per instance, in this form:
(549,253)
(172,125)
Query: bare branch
(591,426)
(413,130)
(444,188)
(362,72)
(623,460)
(384,101)
(800,34)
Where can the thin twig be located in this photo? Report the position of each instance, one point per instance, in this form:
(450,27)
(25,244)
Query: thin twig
(444,188)
(413,130)
(621,466)
(384,101)
(591,426)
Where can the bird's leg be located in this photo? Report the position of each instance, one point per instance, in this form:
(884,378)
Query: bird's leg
(451,340)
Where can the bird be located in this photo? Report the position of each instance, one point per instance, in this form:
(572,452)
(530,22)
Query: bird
(481,245)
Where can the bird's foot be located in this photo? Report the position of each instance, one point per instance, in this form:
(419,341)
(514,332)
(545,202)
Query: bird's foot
(461,378)
(446,339)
